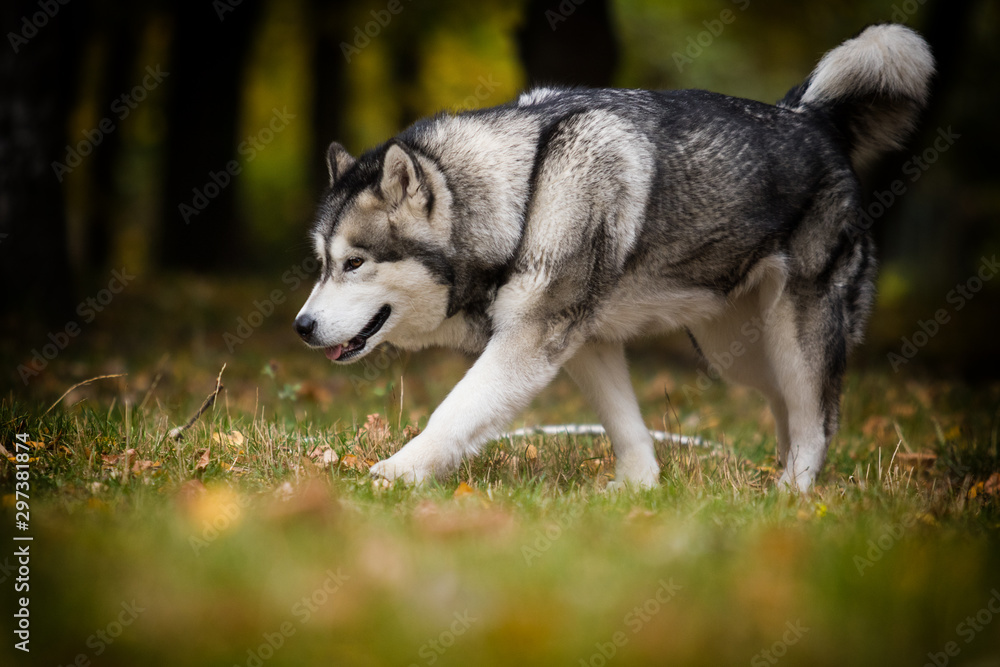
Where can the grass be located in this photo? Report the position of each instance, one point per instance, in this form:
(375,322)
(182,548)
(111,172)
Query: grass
(236,545)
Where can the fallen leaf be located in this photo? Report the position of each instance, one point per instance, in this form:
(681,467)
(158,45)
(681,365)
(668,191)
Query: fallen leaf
(992,485)
(231,440)
(203,460)
(355,462)
(324,456)
(464,491)
(375,429)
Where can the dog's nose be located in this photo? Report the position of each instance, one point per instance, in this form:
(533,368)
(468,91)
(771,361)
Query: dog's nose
(304,325)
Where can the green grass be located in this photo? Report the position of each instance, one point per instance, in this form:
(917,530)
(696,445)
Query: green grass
(521,557)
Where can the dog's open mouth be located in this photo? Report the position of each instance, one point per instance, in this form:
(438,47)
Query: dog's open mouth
(353,347)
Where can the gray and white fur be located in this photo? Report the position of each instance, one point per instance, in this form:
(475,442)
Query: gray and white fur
(547,232)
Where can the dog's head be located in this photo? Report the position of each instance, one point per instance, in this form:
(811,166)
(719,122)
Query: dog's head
(382,237)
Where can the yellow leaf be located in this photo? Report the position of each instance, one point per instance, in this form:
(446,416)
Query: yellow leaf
(464,490)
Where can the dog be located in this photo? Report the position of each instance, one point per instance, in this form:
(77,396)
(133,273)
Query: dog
(547,232)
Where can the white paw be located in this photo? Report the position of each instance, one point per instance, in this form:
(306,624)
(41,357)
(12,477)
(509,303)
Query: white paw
(636,478)
(417,462)
(801,482)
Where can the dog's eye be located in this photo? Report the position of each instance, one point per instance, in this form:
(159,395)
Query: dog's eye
(353,263)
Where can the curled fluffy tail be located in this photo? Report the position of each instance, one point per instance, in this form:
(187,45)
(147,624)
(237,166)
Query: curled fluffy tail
(873,86)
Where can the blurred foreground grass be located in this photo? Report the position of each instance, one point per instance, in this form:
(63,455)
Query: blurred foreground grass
(258,538)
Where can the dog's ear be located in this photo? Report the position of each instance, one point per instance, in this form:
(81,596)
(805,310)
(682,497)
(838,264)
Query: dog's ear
(338,161)
(403,179)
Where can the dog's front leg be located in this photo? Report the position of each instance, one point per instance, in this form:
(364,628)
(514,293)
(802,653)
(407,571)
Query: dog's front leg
(513,368)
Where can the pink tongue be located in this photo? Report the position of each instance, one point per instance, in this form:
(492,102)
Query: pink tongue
(333,353)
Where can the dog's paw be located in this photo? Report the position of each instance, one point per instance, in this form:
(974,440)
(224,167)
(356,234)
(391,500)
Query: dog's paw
(802,482)
(415,463)
(391,470)
(636,477)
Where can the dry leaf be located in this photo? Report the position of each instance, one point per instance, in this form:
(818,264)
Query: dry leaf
(464,491)
(203,460)
(232,440)
(992,485)
(376,429)
(355,462)
(324,456)
(531,453)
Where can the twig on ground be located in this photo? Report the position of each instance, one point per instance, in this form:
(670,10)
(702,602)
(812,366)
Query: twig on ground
(178,432)
(80,384)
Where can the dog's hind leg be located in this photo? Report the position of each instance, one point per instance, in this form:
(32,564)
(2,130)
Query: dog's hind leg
(601,372)
(807,362)
(789,352)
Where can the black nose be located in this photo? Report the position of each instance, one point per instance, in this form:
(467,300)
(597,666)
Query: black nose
(304,325)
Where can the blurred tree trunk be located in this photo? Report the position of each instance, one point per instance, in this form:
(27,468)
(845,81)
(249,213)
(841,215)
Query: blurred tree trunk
(329,82)
(121,30)
(201,231)
(563,42)
(39,68)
